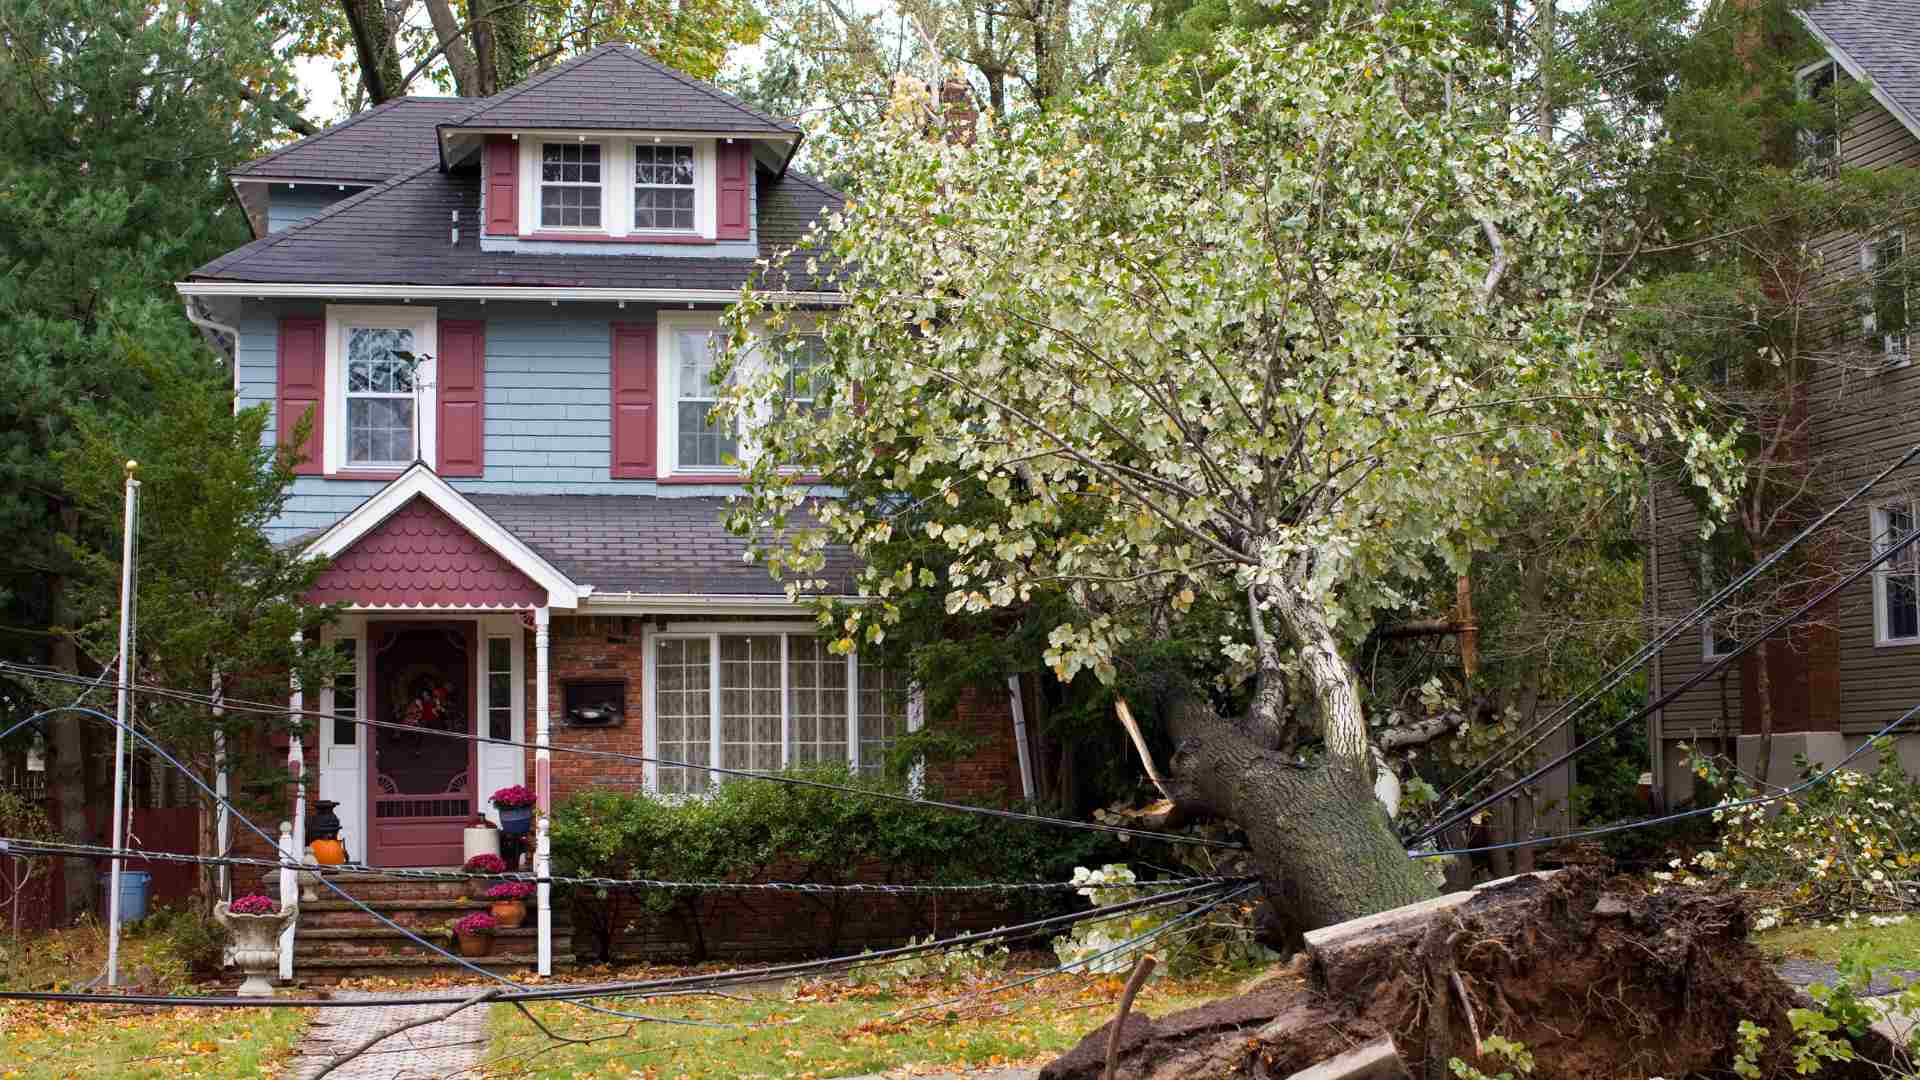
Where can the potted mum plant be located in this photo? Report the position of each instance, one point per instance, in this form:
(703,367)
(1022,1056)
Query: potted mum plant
(475,934)
(483,863)
(515,805)
(256,923)
(510,902)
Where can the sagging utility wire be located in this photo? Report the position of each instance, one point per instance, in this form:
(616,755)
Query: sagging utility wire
(1570,709)
(63,849)
(268,709)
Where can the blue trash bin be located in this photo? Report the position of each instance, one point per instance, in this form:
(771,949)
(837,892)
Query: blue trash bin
(133,893)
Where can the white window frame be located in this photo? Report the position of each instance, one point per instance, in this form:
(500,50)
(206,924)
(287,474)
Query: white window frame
(1884,574)
(616,186)
(1896,350)
(667,433)
(541,184)
(701,178)
(1803,80)
(424,322)
(1709,642)
(712,633)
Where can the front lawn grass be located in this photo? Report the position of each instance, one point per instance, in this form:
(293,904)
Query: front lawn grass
(40,1041)
(1896,946)
(815,1030)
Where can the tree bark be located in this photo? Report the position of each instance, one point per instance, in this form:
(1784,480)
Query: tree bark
(499,43)
(375,48)
(452,37)
(69,773)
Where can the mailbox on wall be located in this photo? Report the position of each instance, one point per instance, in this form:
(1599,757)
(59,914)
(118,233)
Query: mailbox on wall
(595,702)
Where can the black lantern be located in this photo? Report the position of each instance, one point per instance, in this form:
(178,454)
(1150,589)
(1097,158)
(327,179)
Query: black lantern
(323,823)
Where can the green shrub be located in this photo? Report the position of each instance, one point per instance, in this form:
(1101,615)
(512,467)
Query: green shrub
(186,945)
(1849,844)
(745,830)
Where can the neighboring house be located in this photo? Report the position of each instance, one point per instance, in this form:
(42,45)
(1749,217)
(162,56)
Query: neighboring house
(1856,667)
(527,529)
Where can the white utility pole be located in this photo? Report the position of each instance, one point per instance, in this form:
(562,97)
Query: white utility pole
(129,528)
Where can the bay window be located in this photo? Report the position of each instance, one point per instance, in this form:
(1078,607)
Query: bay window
(760,699)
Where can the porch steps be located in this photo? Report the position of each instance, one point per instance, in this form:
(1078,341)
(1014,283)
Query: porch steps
(337,939)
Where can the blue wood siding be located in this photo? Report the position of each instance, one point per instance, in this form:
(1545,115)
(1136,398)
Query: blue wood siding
(288,206)
(548,411)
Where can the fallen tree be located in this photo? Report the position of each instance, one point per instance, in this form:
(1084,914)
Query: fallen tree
(1278,337)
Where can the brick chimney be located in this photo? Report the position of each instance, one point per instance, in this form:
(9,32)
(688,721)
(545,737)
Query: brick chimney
(958,117)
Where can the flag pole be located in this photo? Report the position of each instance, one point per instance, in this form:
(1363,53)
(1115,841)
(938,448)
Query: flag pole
(120,729)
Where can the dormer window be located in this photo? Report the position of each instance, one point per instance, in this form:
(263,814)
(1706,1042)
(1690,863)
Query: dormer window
(570,186)
(663,188)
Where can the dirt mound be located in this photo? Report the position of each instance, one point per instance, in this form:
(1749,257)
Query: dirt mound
(1596,976)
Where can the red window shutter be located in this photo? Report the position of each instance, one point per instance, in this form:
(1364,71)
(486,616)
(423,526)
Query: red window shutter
(736,203)
(462,400)
(303,385)
(635,417)
(503,185)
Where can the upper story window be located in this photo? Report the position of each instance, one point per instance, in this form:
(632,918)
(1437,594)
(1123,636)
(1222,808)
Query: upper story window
(1896,587)
(703,441)
(570,186)
(380,394)
(380,388)
(1820,136)
(664,185)
(1890,299)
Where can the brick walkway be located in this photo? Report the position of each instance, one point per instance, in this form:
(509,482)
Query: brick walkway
(437,1051)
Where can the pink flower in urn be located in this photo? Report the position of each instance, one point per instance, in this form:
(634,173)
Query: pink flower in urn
(510,890)
(512,798)
(254,904)
(486,863)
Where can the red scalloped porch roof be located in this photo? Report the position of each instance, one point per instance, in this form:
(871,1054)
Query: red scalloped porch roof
(420,557)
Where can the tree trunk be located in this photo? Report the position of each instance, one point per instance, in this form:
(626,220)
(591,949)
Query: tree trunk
(451,35)
(68,777)
(1321,841)
(499,43)
(1763,691)
(374,46)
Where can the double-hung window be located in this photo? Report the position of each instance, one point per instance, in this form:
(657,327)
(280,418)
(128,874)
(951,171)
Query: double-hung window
(381,419)
(1716,633)
(663,187)
(570,186)
(1820,136)
(704,442)
(760,700)
(1890,294)
(1896,589)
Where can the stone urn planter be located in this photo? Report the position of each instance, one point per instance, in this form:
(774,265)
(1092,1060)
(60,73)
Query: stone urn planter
(509,903)
(256,924)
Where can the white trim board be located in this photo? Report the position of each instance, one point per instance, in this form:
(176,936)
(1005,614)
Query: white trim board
(322,291)
(419,480)
(1854,69)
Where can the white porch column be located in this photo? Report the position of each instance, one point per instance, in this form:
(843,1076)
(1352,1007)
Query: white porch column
(296,768)
(542,789)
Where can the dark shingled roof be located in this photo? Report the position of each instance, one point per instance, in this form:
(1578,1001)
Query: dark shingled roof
(373,147)
(618,87)
(397,234)
(1883,37)
(646,544)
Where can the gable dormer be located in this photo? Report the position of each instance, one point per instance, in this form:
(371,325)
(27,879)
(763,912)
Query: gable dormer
(612,152)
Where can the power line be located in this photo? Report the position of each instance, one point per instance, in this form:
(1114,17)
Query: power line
(1681,815)
(268,709)
(644,988)
(1586,698)
(61,849)
(1664,700)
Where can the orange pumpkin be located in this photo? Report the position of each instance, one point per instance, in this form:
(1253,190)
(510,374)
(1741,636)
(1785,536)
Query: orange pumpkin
(329,852)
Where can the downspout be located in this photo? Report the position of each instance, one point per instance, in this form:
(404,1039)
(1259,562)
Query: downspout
(1657,730)
(1020,736)
(212,330)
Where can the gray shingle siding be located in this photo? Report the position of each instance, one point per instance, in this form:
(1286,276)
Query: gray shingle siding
(289,205)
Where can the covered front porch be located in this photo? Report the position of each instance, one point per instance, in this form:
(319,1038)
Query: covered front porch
(446,618)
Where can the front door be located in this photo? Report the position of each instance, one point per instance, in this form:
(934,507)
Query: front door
(421,788)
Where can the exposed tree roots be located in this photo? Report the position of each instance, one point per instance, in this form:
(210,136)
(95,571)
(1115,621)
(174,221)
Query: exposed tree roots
(1597,977)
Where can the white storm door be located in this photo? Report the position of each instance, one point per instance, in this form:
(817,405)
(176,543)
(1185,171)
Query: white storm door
(501,722)
(342,741)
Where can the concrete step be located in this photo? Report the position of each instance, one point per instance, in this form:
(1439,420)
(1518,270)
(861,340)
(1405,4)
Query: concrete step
(324,971)
(334,944)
